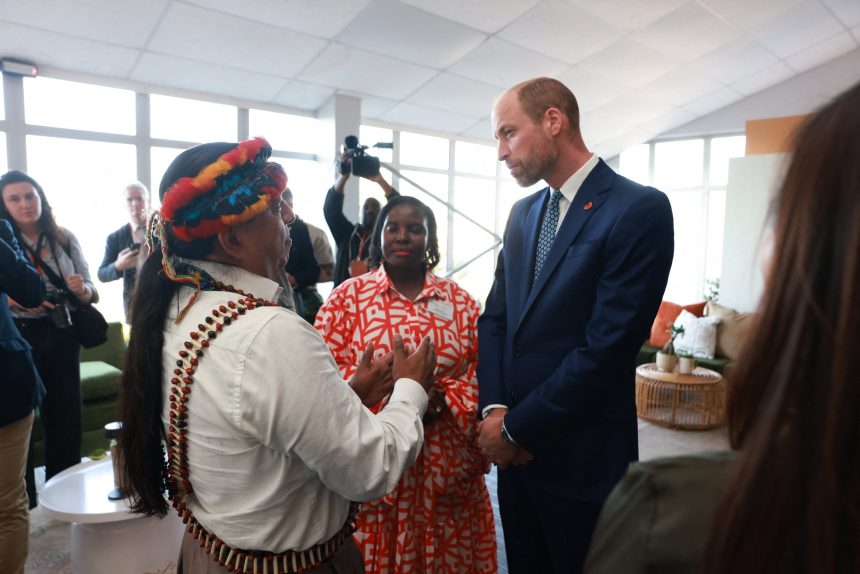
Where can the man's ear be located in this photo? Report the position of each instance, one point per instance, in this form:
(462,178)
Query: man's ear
(554,121)
(231,243)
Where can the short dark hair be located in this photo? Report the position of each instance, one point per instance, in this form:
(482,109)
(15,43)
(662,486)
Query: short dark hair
(536,96)
(431,256)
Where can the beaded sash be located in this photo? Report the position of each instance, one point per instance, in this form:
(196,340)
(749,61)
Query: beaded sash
(178,480)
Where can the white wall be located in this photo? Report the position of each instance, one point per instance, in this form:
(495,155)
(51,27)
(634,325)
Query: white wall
(752,181)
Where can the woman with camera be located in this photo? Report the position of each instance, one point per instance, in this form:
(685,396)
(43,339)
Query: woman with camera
(57,256)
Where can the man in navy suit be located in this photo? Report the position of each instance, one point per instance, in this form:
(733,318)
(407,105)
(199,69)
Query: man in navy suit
(577,285)
(22,390)
(124,247)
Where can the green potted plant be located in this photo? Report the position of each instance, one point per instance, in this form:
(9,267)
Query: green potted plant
(666,358)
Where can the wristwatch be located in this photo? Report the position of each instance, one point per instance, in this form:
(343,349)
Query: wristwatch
(505,436)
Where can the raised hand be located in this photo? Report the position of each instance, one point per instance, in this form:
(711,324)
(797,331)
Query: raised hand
(419,366)
(373,380)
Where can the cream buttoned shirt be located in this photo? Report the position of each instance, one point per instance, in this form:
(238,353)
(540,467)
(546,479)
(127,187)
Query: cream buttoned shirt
(278,444)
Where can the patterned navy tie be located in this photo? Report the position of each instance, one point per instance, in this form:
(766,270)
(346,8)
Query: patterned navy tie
(547,233)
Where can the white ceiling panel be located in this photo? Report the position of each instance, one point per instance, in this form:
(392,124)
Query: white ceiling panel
(634,109)
(611,147)
(427,118)
(303,95)
(598,128)
(848,11)
(750,14)
(681,86)
(735,61)
(713,101)
(482,130)
(349,69)
(66,52)
(206,78)
(763,79)
(485,15)
(800,28)
(322,18)
(629,14)
(187,30)
(823,52)
(112,21)
(855,31)
(559,30)
(592,89)
(407,33)
(666,122)
(633,62)
(374,108)
(456,94)
(687,32)
(503,64)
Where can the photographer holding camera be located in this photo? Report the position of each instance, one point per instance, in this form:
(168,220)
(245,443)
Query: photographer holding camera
(353,239)
(56,254)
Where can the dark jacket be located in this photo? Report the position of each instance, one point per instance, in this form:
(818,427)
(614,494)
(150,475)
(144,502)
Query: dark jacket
(561,354)
(347,235)
(302,264)
(116,242)
(21,387)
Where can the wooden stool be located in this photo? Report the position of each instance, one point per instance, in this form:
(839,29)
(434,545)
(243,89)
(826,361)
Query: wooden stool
(695,401)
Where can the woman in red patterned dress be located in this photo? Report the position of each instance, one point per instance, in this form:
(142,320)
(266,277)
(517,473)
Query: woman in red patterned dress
(439,518)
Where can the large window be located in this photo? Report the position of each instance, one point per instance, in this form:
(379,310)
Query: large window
(191,120)
(693,173)
(72,105)
(85,143)
(84,182)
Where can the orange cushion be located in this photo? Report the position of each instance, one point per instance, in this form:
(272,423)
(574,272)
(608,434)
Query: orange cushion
(666,316)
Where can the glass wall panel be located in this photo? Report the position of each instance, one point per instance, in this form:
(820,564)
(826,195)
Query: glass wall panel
(423,151)
(722,150)
(477,278)
(160,159)
(3,159)
(686,280)
(679,164)
(472,196)
(73,105)
(716,224)
(90,202)
(372,135)
(634,163)
(288,132)
(437,184)
(192,120)
(475,158)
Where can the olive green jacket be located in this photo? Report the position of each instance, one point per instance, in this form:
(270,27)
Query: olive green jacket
(657,519)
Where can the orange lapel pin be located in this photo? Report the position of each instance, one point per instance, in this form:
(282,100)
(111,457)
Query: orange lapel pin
(587,206)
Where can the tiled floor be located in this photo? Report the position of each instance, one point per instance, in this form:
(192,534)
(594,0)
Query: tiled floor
(654,442)
(49,539)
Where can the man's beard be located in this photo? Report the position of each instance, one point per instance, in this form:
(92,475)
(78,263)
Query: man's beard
(541,157)
(368,222)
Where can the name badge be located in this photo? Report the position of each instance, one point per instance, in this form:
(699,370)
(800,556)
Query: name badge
(443,309)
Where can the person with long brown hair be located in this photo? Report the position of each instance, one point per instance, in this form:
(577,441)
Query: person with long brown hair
(234,404)
(790,502)
(56,254)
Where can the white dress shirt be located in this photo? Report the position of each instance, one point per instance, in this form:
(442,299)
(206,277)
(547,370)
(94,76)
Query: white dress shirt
(277,443)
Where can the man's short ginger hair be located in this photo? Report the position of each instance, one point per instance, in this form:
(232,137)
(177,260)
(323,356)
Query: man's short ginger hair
(538,95)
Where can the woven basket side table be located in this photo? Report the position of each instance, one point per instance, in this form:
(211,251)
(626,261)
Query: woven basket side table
(695,401)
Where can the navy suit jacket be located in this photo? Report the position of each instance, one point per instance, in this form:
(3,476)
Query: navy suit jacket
(19,382)
(116,242)
(562,355)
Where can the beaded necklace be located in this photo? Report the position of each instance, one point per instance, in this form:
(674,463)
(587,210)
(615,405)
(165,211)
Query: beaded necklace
(178,479)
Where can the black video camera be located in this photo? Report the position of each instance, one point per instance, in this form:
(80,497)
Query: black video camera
(355,158)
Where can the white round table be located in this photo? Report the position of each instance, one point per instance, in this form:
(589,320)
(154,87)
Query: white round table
(105,536)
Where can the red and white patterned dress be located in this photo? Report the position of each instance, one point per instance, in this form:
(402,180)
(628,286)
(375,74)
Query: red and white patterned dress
(439,518)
